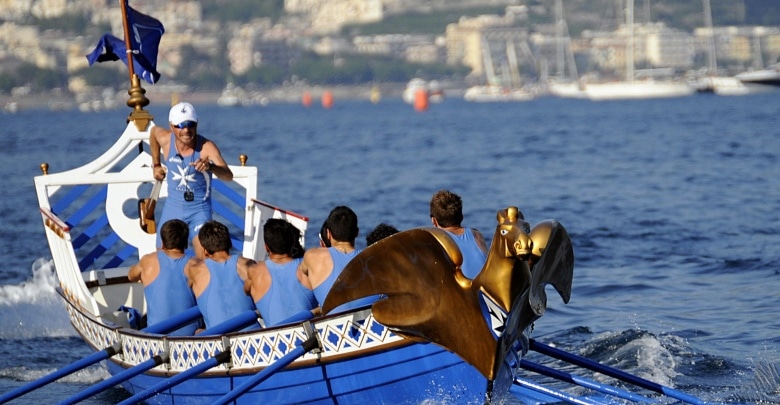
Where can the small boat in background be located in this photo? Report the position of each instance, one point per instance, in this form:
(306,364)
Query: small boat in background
(232,96)
(770,76)
(488,94)
(414,86)
(435,92)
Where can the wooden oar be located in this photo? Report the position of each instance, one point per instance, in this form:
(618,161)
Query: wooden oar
(174,322)
(146,208)
(164,326)
(548,394)
(69,369)
(612,372)
(217,359)
(582,381)
(233,324)
(310,344)
(115,379)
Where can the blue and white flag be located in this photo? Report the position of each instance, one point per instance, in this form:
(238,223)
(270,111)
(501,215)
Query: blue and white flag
(145,35)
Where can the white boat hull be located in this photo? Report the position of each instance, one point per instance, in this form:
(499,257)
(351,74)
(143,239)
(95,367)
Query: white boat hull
(490,94)
(637,90)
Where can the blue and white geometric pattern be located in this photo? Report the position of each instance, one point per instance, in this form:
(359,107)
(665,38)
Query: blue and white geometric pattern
(350,333)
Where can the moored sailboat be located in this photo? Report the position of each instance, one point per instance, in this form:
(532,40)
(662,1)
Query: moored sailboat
(632,88)
(713,82)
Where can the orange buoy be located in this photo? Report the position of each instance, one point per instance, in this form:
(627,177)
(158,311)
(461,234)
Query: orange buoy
(327,99)
(420,100)
(306,99)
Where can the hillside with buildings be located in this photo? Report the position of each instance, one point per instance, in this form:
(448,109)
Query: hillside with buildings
(251,44)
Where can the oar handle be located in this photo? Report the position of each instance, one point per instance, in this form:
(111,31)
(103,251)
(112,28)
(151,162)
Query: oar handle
(174,322)
(233,324)
(310,344)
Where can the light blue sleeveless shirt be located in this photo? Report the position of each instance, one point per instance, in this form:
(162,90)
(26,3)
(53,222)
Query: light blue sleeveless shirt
(224,297)
(473,257)
(340,261)
(286,296)
(182,178)
(169,294)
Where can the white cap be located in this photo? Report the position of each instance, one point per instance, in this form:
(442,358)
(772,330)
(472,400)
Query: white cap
(182,112)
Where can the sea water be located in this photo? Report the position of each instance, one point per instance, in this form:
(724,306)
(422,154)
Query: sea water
(673,207)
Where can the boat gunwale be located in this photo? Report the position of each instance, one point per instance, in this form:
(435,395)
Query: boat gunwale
(105,335)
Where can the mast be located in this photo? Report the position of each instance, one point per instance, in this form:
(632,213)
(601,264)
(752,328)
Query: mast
(137,100)
(630,46)
(711,57)
(487,61)
(514,70)
(559,37)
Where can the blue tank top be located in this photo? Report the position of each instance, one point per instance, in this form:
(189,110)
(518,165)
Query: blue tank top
(183,178)
(286,296)
(340,261)
(169,294)
(473,257)
(224,297)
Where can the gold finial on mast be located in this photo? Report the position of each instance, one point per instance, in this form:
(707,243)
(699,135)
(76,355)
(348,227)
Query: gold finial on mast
(242,158)
(137,102)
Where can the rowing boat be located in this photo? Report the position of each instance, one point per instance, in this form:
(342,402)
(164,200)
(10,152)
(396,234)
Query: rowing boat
(432,335)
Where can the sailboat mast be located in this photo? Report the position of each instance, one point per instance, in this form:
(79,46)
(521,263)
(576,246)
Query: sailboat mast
(711,58)
(514,69)
(559,37)
(630,44)
(487,61)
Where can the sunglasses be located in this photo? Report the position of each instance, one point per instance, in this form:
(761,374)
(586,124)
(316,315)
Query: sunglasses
(186,124)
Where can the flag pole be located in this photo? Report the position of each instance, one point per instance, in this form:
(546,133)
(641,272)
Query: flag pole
(137,100)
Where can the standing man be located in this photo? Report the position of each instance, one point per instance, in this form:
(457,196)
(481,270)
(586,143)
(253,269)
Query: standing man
(218,279)
(322,265)
(447,214)
(162,273)
(276,287)
(190,160)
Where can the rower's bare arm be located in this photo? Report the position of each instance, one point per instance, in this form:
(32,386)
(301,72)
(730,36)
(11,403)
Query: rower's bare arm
(154,150)
(218,165)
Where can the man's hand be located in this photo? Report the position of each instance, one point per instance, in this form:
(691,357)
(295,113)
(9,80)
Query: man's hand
(159,173)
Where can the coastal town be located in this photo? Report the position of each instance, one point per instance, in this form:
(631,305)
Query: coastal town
(512,51)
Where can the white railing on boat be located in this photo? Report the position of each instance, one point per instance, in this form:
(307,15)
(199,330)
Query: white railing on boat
(340,335)
(90,216)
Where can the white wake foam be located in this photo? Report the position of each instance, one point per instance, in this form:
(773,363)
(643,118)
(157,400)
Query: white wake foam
(89,375)
(33,308)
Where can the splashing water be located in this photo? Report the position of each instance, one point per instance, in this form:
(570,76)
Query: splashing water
(33,308)
(89,375)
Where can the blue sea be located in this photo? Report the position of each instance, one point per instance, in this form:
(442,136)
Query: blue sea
(673,207)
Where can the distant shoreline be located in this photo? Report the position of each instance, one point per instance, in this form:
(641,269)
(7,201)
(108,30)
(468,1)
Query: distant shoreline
(84,102)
